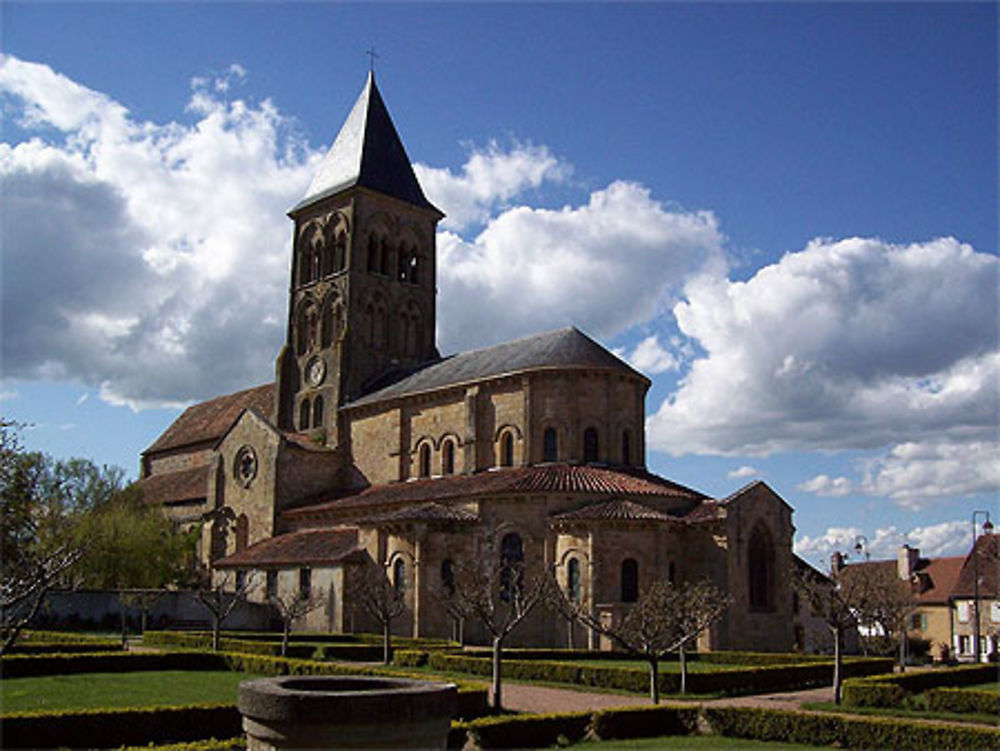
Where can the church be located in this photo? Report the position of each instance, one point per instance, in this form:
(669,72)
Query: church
(371,446)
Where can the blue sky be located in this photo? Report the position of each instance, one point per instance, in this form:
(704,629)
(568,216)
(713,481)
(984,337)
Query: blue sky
(785,214)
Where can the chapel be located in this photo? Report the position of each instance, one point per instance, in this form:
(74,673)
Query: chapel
(370,446)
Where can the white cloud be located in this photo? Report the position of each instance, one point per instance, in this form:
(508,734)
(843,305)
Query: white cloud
(824,485)
(604,266)
(744,471)
(948,538)
(8,395)
(489,177)
(650,357)
(855,344)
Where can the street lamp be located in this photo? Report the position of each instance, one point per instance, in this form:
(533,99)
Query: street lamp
(987,528)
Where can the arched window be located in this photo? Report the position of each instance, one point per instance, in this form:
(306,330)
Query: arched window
(384,256)
(425,460)
(399,575)
(414,269)
(573,580)
(326,258)
(402,265)
(340,252)
(327,332)
(448,458)
(760,569)
(306,328)
(507,449)
(630,580)
(318,412)
(550,445)
(372,253)
(626,447)
(511,565)
(590,445)
(448,576)
(304,410)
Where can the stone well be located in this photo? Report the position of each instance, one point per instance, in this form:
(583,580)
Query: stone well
(345,712)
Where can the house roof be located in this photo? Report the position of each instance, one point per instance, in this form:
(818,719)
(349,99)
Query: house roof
(308,547)
(209,420)
(368,153)
(564,348)
(987,561)
(176,487)
(541,478)
(933,580)
(617,509)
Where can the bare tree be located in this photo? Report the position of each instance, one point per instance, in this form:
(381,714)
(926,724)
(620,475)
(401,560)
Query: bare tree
(883,602)
(23,588)
(666,618)
(220,599)
(496,592)
(380,598)
(291,607)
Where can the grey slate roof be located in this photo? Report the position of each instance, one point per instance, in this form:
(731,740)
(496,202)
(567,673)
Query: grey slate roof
(564,348)
(367,152)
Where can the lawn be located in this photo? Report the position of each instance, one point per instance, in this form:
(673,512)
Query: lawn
(682,743)
(919,713)
(995,686)
(103,690)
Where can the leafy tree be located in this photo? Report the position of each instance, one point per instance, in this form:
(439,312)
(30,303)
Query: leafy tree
(220,598)
(370,586)
(666,618)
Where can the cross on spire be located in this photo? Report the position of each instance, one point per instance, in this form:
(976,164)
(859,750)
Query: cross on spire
(372,56)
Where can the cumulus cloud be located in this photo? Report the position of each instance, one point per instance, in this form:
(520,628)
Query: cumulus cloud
(855,344)
(605,265)
(948,538)
(489,177)
(650,357)
(824,485)
(744,471)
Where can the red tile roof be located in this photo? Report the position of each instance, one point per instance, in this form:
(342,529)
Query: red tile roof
(543,478)
(176,487)
(933,579)
(617,509)
(207,421)
(425,512)
(309,547)
(987,552)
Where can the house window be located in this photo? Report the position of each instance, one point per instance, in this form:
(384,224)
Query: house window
(963,612)
(573,580)
(507,449)
(760,568)
(448,458)
(630,580)
(918,622)
(272,584)
(425,460)
(305,583)
(590,445)
(399,576)
(550,445)
(964,645)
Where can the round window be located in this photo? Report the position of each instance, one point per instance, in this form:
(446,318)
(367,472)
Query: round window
(245,466)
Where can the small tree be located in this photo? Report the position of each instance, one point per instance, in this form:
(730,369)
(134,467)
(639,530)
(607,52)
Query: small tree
(292,606)
(666,618)
(496,592)
(23,589)
(379,598)
(221,598)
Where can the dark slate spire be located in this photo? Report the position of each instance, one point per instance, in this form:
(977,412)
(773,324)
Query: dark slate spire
(367,153)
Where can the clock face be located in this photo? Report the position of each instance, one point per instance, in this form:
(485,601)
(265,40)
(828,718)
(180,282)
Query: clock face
(316,371)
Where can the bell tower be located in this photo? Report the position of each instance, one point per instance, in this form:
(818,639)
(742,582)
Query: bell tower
(363,279)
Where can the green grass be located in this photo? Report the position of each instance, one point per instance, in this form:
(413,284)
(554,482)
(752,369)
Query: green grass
(923,714)
(103,690)
(995,686)
(672,742)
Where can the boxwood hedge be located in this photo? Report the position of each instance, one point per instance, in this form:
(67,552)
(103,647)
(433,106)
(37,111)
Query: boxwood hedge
(890,690)
(963,701)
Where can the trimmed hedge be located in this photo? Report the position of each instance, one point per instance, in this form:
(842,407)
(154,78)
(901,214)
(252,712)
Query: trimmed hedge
(963,701)
(645,722)
(736,680)
(890,690)
(410,658)
(106,728)
(65,648)
(349,652)
(718,657)
(848,732)
(526,731)
(231,744)
(33,666)
(62,637)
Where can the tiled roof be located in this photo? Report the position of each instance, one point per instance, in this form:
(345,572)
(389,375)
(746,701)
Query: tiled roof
(207,421)
(425,512)
(706,511)
(617,509)
(309,547)
(542,478)
(933,579)
(987,552)
(175,487)
(565,348)
(367,152)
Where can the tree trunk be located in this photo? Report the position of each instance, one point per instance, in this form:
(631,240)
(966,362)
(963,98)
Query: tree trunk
(837,659)
(216,628)
(142,622)
(654,680)
(387,642)
(684,669)
(902,650)
(284,637)
(121,607)
(497,688)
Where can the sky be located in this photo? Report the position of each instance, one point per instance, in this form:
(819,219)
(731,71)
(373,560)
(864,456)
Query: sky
(784,214)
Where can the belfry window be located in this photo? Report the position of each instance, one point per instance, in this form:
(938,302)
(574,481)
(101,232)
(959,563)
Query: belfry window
(448,458)
(590,445)
(318,412)
(403,265)
(630,580)
(372,253)
(304,411)
(340,253)
(507,449)
(550,445)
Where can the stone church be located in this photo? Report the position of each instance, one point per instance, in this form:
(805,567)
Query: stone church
(371,445)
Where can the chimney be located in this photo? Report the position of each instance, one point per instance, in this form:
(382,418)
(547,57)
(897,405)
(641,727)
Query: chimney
(836,562)
(906,561)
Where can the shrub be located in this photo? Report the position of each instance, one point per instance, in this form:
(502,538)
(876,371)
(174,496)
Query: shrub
(528,731)
(32,666)
(890,690)
(65,648)
(410,658)
(963,701)
(645,722)
(859,692)
(111,728)
(232,744)
(310,649)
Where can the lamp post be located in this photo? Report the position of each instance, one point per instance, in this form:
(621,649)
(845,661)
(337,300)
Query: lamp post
(987,528)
